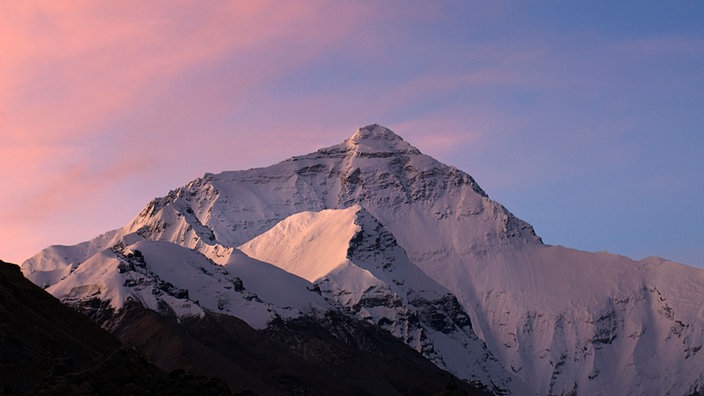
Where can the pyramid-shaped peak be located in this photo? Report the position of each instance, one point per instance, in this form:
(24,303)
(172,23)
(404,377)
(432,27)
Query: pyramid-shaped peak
(375,132)
(375,138)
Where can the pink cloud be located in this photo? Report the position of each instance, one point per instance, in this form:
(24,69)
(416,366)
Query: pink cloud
(67,186)
(94,93)
(69,69)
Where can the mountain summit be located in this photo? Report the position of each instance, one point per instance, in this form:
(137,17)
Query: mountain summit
(374,132)
(374,230)
(376,139)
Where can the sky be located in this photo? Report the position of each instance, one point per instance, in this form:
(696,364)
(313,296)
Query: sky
(585,119)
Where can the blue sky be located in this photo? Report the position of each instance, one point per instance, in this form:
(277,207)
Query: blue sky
(583,118)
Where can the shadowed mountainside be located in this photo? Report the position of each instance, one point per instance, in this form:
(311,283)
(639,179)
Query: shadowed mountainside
(48,348)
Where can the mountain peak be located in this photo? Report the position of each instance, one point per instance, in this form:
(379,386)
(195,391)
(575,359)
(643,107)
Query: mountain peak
(375,132)
(375,138)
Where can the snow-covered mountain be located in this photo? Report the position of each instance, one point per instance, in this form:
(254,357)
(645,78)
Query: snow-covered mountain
(376,229)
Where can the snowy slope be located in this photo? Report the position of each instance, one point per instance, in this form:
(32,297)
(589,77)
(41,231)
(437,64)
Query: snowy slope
(171,279)
(355,261)
(559,319)
(307,244)
(591,321)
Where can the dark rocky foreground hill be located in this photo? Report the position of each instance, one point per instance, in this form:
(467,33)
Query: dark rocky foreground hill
(47,348)
(337,354)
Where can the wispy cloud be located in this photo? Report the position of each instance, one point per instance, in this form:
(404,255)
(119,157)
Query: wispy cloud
(69,70)
(120,101)
(57,191)
(92,94)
